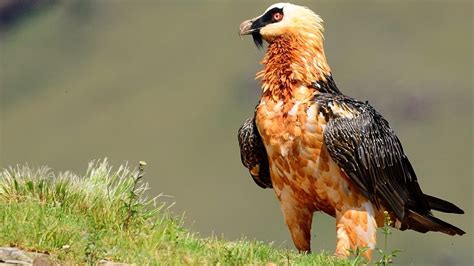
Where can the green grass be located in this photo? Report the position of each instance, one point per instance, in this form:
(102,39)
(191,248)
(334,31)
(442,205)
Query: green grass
(106,215)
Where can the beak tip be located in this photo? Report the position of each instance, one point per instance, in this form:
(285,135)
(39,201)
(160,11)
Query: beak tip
(245,28)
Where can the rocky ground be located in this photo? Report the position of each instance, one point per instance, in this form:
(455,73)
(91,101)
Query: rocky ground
(16,257)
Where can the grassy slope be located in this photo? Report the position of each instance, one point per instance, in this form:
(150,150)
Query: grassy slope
(104,215)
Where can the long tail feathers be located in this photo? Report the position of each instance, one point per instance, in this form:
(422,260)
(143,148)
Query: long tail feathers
(426,222)
(442,205)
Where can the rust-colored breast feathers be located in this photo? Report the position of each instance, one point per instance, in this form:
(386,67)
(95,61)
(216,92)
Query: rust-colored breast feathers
(298,159)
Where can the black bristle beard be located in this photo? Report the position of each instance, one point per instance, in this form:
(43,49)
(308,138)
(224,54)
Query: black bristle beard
(257,39)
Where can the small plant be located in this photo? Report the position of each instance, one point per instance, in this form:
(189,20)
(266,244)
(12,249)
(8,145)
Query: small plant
(386,257)
(132,203)
(358,256)
(93,251)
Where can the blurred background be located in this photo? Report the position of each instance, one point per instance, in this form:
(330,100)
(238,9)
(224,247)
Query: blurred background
(170,82)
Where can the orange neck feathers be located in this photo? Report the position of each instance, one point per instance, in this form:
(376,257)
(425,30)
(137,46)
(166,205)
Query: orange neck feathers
(291,63)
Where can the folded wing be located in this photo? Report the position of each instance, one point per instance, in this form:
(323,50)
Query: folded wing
(361,142)
(253,154)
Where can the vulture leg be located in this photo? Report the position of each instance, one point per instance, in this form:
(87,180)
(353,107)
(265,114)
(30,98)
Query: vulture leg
(356,227)
(298,219)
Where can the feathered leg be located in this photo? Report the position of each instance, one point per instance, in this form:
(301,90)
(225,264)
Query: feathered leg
(356,228)
(298,219)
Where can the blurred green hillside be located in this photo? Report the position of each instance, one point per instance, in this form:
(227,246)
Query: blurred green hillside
(171,82)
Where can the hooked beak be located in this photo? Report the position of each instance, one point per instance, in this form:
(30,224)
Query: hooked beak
(252,26)
(246,27)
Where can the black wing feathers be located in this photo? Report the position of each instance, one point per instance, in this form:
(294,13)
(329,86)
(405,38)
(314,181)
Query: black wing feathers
(361,142)
(253,153)
(442,205)
(372,157)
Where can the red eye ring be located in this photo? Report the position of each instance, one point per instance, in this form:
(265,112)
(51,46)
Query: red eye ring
(278,16)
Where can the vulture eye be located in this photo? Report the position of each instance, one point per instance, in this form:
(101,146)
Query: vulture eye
(278,16)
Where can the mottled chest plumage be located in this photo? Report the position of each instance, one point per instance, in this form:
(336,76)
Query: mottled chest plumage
(288,127)
(292,133)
